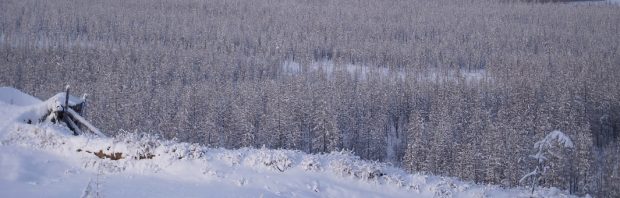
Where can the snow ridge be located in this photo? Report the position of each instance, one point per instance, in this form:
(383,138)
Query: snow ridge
(145,154)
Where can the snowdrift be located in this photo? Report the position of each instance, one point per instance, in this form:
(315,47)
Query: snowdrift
(61,108)
(12,96)
(46,160)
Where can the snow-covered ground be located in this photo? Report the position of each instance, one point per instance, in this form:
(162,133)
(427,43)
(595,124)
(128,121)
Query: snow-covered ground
(595,2)
(45,160)
(362,72)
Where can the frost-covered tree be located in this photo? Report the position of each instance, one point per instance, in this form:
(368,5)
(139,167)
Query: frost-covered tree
(326,136)
(417,149)
(549,148)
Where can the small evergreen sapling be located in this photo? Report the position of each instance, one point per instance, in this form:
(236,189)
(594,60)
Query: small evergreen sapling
(544,147)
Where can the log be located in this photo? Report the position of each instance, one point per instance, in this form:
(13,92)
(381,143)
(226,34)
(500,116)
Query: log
(76,130)
(66,98)
(83,121)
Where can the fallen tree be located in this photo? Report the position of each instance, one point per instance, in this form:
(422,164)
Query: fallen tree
(62,108)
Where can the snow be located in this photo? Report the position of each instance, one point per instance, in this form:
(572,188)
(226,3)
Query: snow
(13,96)
(328,67)
(595,2)
(362,72)
(557,136)
(46,160)
(611,1)
(20,107)
(60,99)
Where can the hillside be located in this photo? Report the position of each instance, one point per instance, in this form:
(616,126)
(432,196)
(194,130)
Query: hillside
(449,87)
(45,160)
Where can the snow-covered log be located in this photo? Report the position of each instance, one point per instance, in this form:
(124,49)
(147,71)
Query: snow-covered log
(60,108)
(85,123)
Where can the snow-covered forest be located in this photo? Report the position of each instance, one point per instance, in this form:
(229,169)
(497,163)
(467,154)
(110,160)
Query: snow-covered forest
(446,87)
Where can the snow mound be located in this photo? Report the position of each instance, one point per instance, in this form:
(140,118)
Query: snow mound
(20,107)
(27,109)
(12,96)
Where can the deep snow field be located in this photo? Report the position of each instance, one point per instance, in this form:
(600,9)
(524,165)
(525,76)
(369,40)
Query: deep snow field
(46,160)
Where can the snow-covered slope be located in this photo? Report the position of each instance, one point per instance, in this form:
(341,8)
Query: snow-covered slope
(13,96)
(45,160)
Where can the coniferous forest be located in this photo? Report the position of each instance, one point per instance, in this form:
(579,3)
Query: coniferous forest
(446,87)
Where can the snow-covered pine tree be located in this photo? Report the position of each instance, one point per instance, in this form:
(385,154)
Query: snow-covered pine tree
(547,151)
(242,129)
(417,148)
(326,137)
(439,160)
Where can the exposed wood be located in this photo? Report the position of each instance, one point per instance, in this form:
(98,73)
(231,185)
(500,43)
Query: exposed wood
(76,130)
(83,121)
(66,99)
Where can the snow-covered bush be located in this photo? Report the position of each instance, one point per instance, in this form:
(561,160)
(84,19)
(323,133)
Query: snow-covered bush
(395,179)
(274,159)
(232,158)
(342,167)
(368,171)
(310,163)
(177,150)
(444,188)
(139,145)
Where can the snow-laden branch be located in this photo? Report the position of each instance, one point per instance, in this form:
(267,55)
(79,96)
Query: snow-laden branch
(543,146)
(533,173)
(556,135)
(92,128)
